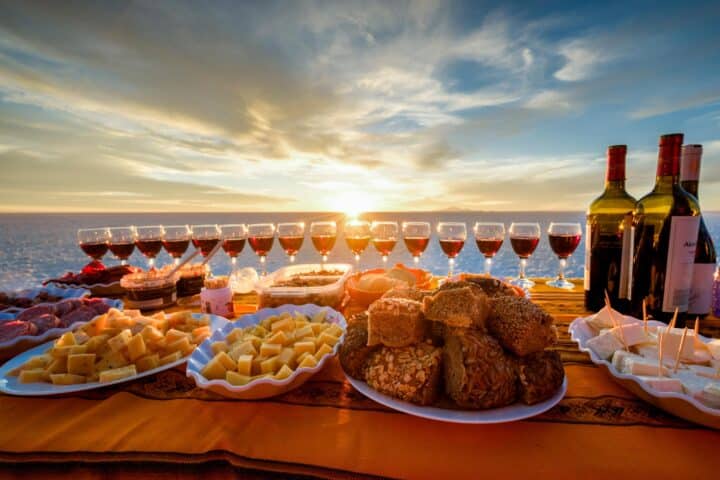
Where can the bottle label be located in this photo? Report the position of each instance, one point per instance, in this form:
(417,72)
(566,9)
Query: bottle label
(700,300)
(588,249)
(680,260)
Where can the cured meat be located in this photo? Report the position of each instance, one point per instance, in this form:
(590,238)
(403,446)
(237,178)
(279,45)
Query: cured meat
(82,314)
(45,322)
(15,328)
(98,305)
(34,312)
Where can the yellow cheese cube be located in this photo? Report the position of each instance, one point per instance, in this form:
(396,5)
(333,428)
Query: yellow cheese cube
(244,365)
(225,360)
(214,370)
(299,358)
(287,324)
(270,349)
(234,335)
(136,347)
(151,334)
(66,339)
(234,378)
(327,338)
(117,374)
(115,360)
(94,344)
(179,318)
(279,337)
(322,351)
(38,361)
(62,351)
(81,337)
(318,328)
(319,317)
(269,365)
(120,341)
(284,372)
(299,323)
(308,361)
(254,339)
(259,331)
(148,363)
(335,330)
(81,364)
(256,364)
(286,356)
(174,335)
(304,346)
(66,379)
(75,349)
(305,331)
(267,322)
(33,375)
(182,345)
(171,358)
(245,348)
(218,347)
(200,333)
(58,365)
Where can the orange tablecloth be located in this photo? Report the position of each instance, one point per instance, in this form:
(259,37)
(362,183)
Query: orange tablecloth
(327,429)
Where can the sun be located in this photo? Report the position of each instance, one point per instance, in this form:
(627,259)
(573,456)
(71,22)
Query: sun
(353,203)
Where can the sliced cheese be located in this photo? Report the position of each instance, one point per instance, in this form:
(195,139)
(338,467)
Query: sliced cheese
(604,345)
(631,334)
(663,384)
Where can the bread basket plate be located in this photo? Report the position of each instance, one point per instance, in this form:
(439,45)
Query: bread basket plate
(264,387)
(511,413)
(423,281)
(19,344)
(9,384)
(680,405)
(52,290)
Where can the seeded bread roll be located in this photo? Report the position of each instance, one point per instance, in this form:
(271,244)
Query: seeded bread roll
(408,292)
(541,375)
(520,326)
(411,373)
(395,322)
(478,373)
(492,287)
(354,352)
(458,307)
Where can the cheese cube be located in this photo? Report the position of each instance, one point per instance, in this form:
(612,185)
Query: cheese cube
(58,365)
(259,331)
(174,335)
(33,375)
(256,364)
(335,330)
(225,360)
(214,370)
(115,359)
(218,347)
(38,361)
(631,333)
(300,357)
(242,348)
(663,384)
(604,345)
(181,345)
(304,346)
(120,341)
(714,347)
(75,349)
(287,324)
(692,383)
(66,379)
(148,363)
(94,344)
(305,331)
(284,372)
(235,378)
(254,339)
(235,335)
(244,365)
(171,358)
(327,338)
(322,351)
(81,364)
(671,343)
(200,333)
(286,356)
(270,349)
(66,339)
(279,338)
(710,395)
(117,374)
(603,319)
(178,318)
(318,328)
(269,365)
(319,317)
(61,351)
(136,347)
(308,361)
(151,334)
(81,337)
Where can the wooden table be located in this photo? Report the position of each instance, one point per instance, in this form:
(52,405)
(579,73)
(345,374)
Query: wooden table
(164,427)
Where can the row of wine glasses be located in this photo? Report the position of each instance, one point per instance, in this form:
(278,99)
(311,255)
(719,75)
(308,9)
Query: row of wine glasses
(489,237)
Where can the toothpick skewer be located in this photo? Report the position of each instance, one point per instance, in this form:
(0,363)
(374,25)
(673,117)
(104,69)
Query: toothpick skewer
(674,319)
(697,327)
(614,321)
(645,317)
(677,355)
(660,353)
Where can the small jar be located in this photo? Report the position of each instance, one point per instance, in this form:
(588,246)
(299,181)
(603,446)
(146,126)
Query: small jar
(217,297)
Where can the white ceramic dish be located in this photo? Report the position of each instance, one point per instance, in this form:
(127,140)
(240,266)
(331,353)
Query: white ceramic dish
(53,290)
(113,289)
(681,405)
(511,413)
(20,344)
(10,385)
(330,295)
(266,387)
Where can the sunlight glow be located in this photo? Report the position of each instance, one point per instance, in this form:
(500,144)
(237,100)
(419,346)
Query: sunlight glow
(352,203)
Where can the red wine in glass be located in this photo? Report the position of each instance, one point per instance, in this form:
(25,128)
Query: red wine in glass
(384,246)
(261,245)
(488,247)
(205,245)
(291,243)
(122,250)
(451,246)
(149,248)
(524,246)
(323,243)
(95,250)
(416,245)
(564,245)
(233,246)
(176,248)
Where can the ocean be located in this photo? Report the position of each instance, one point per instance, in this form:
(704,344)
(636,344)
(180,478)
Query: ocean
(35,247)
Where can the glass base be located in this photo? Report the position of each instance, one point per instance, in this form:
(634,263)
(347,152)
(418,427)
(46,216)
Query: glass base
(522,283)
(560,283)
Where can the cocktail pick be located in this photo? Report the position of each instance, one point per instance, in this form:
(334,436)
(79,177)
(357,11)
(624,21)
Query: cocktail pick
(677,355)
(614,321)
(645,317)
(671,325)
(660,353)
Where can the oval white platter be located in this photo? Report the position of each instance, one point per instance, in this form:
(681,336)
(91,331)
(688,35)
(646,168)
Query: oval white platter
(681,405)
(265,387)
(511,413)
(9,384)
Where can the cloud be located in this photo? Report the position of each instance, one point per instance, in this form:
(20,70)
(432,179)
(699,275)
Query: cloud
(582,59)
(662,106)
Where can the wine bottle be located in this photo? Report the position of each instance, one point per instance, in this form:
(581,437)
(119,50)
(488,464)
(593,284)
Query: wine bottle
(604,234)
(700,301)
(667,221)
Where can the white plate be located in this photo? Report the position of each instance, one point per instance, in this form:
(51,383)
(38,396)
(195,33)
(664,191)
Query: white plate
(679,404)
(511,413)
(10,384)
(266,387)
(53,290)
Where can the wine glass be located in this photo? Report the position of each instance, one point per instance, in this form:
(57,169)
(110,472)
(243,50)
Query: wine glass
(417,237)
(323,236)
(489,238)
(564,239)
(233,241)
(206,237)
(95,243)
(176,241)
(524,238)
(291,236)
(260,238)
(452,236)
(149,242)
(122,242)
(384,237)
(357,237)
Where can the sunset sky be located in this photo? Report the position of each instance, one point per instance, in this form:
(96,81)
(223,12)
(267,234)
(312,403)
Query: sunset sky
(389,105)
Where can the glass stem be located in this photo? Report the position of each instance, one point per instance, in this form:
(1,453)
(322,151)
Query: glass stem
(451,265)
(561,269)
(151,263)
(123,262)
(384,258)
(523,263)
(262,263)
(357,261)
(292,258)
(488,265)
(416,260)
